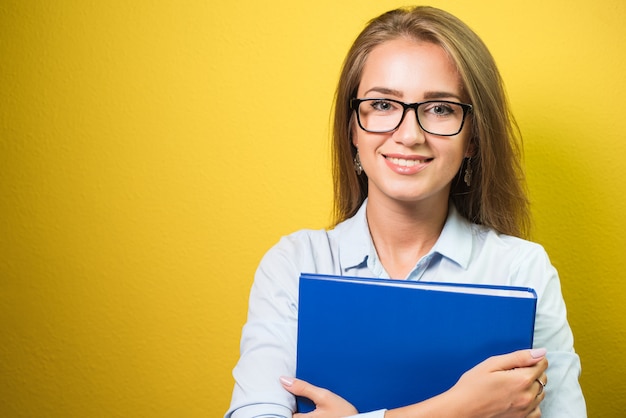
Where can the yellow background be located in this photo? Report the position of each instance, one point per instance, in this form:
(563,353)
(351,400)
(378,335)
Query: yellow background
(151,152)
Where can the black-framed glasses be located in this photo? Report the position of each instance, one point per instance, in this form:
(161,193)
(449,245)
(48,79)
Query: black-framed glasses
(437,117)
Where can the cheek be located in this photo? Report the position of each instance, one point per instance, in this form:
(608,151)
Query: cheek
(454,155)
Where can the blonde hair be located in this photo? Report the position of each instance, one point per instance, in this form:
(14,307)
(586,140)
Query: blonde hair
(497,196)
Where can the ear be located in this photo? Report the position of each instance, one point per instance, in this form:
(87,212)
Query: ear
(353,132)
(471,149)
(355,141)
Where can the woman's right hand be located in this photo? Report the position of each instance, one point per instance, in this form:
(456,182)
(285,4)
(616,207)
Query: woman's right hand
(501,386)
(504,386)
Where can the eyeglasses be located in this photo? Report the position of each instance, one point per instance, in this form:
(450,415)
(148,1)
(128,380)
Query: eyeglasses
(437,117)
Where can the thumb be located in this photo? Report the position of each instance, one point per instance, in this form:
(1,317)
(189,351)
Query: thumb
(326,402)
(516,359)
(299,387)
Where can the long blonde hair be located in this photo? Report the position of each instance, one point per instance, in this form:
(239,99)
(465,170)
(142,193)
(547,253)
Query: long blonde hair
(497,196)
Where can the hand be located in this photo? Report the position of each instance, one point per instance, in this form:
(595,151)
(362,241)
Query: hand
(327,404)
(504,386)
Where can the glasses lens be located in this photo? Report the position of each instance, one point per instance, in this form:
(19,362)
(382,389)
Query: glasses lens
(441,118)
(435,117)
(378,115)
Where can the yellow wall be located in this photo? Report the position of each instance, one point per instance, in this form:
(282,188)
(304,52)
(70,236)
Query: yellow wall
(151,152)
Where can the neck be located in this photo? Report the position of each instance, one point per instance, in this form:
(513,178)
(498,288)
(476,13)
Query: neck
(404,233)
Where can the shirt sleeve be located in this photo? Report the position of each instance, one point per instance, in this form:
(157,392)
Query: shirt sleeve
(564,397)
(268,341)
(374,414)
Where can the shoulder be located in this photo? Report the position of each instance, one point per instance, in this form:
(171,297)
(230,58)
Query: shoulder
(524,262)
(300,242)
(480,248)
(297,252)
(281,266)
(492,240)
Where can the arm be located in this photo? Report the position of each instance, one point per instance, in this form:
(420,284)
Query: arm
(268,340)
(267,348)
(564,397)
(501,386)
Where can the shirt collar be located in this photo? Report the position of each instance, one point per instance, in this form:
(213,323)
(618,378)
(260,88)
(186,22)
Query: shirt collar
(455,241)
(356,245)
(355,241)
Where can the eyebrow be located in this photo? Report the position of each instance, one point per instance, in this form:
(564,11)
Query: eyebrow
(430,95)
(384,90)
(440,95)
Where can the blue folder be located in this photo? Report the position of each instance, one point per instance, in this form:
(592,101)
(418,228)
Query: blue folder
(390,343)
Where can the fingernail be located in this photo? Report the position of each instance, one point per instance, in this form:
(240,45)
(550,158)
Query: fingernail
(538,352)
(287,381)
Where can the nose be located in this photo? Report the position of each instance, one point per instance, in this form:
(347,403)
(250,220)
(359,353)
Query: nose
(409,132)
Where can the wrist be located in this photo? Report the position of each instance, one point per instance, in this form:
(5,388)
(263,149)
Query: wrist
(440,406)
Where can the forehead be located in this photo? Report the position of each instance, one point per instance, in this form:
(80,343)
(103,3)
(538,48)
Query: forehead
(411,68)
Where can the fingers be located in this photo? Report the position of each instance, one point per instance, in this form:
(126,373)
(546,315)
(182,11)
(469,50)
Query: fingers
(513,379)
(517,359)
(319,396)
(300,387)
(536,410)
(542,381)
(327,404)
(532,403)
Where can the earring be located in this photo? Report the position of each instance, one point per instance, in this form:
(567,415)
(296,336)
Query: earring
(357,164)
(468,172)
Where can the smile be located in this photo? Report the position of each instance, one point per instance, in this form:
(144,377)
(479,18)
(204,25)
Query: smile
(402,162)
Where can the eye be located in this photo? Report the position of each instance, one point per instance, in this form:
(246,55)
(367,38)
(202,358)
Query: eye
(382,105)
(441,109)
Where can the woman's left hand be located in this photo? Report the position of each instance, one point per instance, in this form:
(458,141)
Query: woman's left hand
(327,404)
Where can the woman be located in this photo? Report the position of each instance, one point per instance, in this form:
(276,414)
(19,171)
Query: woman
(428,186)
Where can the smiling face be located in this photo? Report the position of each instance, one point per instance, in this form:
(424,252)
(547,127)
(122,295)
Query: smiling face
(409,165)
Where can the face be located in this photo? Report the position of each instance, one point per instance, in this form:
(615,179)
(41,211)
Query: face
(408,164)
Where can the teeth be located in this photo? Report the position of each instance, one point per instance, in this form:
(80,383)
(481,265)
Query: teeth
(405,163)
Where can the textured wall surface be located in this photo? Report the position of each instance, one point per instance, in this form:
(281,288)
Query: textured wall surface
(151,152)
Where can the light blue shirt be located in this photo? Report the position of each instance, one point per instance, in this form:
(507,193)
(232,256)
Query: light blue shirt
(464,253)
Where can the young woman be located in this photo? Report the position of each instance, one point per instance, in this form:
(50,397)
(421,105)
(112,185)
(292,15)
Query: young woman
(428,186)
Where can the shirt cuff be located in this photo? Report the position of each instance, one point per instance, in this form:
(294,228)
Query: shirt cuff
(262,411)
(374,414)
